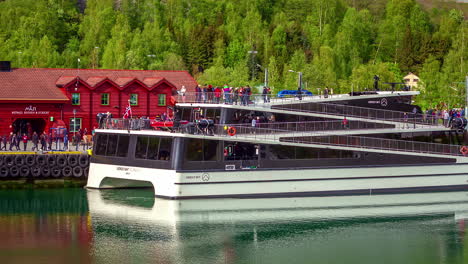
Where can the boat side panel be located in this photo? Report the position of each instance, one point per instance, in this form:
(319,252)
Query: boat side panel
(102,176)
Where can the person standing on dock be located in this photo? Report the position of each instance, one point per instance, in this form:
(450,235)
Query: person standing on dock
(12,140)
(49,141)
(265,94)
(35,141)
(65,141)
(4,140)
(198,94)
(77,140)
(18,141)
(25,141)
(182,92)
(43,141)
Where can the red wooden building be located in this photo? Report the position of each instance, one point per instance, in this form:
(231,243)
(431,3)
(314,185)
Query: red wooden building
(37,99)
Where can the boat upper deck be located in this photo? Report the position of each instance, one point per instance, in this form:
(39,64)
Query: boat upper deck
(332,107)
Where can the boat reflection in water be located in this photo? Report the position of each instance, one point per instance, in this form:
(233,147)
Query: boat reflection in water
(409,228)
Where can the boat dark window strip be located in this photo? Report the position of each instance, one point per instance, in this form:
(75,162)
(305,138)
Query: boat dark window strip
(153,148)
(122,148)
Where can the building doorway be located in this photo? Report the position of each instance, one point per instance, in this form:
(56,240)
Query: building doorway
(29,125)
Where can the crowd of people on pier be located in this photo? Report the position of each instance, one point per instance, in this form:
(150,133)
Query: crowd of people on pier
(444,116)
(228,95)
(46,141)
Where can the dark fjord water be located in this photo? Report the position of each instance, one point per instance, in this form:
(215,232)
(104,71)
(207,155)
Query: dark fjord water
(130,226)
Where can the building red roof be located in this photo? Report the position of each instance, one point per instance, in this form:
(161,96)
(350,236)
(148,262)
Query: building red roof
(92,81)
(43,84)
(151,81)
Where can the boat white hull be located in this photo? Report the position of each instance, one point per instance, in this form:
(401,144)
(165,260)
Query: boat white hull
(283,183)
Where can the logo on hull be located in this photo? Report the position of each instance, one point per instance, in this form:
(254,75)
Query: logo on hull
(205,177)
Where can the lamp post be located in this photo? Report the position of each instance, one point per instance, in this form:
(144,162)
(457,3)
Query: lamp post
(299,80)
(299,84)
(266,73)
(74,123)
(151,56)
(253,52)
(19,55)
(77,75)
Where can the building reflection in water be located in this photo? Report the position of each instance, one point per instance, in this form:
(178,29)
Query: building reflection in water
(131,225)
(46,226)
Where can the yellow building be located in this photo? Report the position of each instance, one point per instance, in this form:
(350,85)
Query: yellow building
(411,80)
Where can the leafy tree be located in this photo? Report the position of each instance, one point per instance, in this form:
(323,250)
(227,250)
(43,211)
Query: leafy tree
(341,44)
(114,56)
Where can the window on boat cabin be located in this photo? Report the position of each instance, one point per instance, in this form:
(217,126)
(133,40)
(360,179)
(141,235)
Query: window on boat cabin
(194,151)
(210,148)
(307,153)
(101,144)
(240,151)
(122,147)
(112,145)
(282,152)
(165,146)
(153,148)
(245,116)
(141,147)
(186,114)
(201,150)
(213,114)
(291,152)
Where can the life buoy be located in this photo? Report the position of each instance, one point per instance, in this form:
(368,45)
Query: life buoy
(231,131)
(464,150)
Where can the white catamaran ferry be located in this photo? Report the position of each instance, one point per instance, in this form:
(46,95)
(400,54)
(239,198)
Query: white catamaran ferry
(351,144)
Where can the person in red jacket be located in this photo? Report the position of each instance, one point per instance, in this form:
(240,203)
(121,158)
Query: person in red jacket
(25,141)
(217,94)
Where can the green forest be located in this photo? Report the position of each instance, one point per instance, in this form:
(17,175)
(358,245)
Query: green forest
(340,44)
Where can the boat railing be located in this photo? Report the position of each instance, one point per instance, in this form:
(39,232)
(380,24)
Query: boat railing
(310,104)
(347,124)
(305,137)
(125,123)
(256,100)
(259,128)
(360,112)
(378,143)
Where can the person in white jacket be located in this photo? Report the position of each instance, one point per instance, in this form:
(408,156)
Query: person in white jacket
(182,93)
